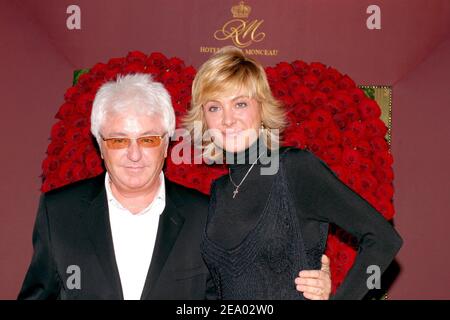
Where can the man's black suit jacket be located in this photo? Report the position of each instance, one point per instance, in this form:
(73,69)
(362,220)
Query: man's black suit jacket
(72,228)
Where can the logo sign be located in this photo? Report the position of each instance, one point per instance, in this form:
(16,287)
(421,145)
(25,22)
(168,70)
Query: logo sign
(241,31)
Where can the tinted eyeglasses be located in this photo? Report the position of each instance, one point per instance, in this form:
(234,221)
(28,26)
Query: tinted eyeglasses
(150,141)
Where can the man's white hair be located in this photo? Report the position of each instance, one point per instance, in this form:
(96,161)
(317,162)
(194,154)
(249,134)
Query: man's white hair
(134,92)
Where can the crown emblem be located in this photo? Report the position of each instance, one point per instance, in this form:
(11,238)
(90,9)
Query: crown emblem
(241,10)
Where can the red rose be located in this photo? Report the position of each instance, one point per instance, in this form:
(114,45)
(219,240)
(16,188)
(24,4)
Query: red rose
(386,208)
(353,181)
(343,99)
(327,87)
(349,138)
(151,70)
(368,183)
(86,133)
(383,159)
(68,152)
(111,74)
(379,144)
(51,182)
(93,161)
(384,175)
(375,128)
(284,70)
(50,165)
(293,122)
(317,146)
(170,78)
(84,104)
(333,75)
(279,90)
(364,148)
(116,63)
(346,83)
(318,69)
(293,82)
(178,91)
(358,128)
(272,75)
(322,116)
(157,59)
(58,131)
(65,110)
(175,64)
(189,73)
(385,191)
(340,119)
(333,106)
(55,147)
(300,67)
(136,56)
(310,129)
(346,255)
(71,94)
(351,158)
(340,171)
(79,171)
(287,101)
(84,81)
(135,67)
(78,121)
(319,99)
(333,156)
(357,95)
(369,109)
(96,85)
(295,138)
(311,81)
(351,113)
(302,94)
(65,173)
(331,135)
(99,70)
(74,135)
(366,165)
(302,111)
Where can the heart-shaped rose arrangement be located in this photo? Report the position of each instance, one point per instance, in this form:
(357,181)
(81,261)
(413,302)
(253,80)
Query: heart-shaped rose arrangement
(327,114)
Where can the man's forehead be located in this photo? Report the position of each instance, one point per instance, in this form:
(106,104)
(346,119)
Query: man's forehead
(124,123)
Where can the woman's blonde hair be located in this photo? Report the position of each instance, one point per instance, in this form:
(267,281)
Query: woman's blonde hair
(229,69)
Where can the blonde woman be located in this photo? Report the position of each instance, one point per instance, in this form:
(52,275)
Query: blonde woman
(269,216)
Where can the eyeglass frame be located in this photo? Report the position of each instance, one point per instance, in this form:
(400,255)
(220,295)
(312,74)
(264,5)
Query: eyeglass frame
(161,137)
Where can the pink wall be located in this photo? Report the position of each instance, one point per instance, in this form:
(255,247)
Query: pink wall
(34,77)
(410,52)
(421,138)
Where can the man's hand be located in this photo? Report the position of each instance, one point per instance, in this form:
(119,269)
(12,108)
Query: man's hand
(315,284)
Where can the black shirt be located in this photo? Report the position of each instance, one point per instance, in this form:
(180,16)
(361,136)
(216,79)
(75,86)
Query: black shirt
(319,198)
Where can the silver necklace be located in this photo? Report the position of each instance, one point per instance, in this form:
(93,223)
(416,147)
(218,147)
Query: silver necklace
(236,191)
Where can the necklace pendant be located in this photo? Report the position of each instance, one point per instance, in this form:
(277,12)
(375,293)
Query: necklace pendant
(235,192)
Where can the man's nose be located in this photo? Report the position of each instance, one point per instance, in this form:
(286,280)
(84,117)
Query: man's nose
(134,151)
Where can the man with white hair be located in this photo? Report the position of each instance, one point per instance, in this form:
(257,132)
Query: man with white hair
(127,234)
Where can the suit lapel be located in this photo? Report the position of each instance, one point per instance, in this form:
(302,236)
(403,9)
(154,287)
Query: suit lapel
(170,224)
(96,218)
